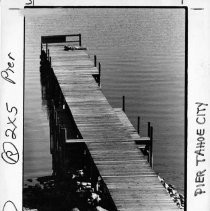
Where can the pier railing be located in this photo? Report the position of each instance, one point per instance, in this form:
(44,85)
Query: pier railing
(70,38)
(144,143)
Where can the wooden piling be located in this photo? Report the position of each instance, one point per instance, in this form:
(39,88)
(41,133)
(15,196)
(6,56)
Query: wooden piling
(80,40)
(95,60)
(52,132)
(63,137)
(123,103)
(63,133)
(46,48)
(138,125)
(99,69)
(151,147)
(149,134)
(48,54)
(148,129)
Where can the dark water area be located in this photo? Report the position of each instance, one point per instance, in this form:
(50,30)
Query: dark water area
(142,53)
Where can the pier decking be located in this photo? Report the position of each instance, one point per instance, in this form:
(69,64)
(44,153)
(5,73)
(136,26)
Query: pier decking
(108,134)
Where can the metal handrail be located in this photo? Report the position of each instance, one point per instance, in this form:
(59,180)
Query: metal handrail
(61,38)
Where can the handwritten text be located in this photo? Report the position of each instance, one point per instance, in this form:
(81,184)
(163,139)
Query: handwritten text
(200,147)
(10,153)
(6,74)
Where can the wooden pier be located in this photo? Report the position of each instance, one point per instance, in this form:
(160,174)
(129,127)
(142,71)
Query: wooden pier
(111,140)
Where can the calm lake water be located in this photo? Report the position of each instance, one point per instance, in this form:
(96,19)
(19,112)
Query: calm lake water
(142,53)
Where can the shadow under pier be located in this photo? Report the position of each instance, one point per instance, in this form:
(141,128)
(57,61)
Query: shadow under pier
(74,156)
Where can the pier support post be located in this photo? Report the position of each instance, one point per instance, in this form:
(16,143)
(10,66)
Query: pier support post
(95,60)
(99,69)
(148,145)
(46,48)
(148,129)
(52,132)
(151,147)
(138,125)
(48,54)
(80,40)
(123,103)
(62,136)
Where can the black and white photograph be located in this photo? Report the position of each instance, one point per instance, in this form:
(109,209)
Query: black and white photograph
(104,105)
(104,109)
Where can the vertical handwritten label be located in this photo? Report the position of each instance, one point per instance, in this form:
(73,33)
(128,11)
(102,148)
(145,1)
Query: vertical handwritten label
(9,71)
(10,154)
(200,150)
(11,104)
(10,132)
